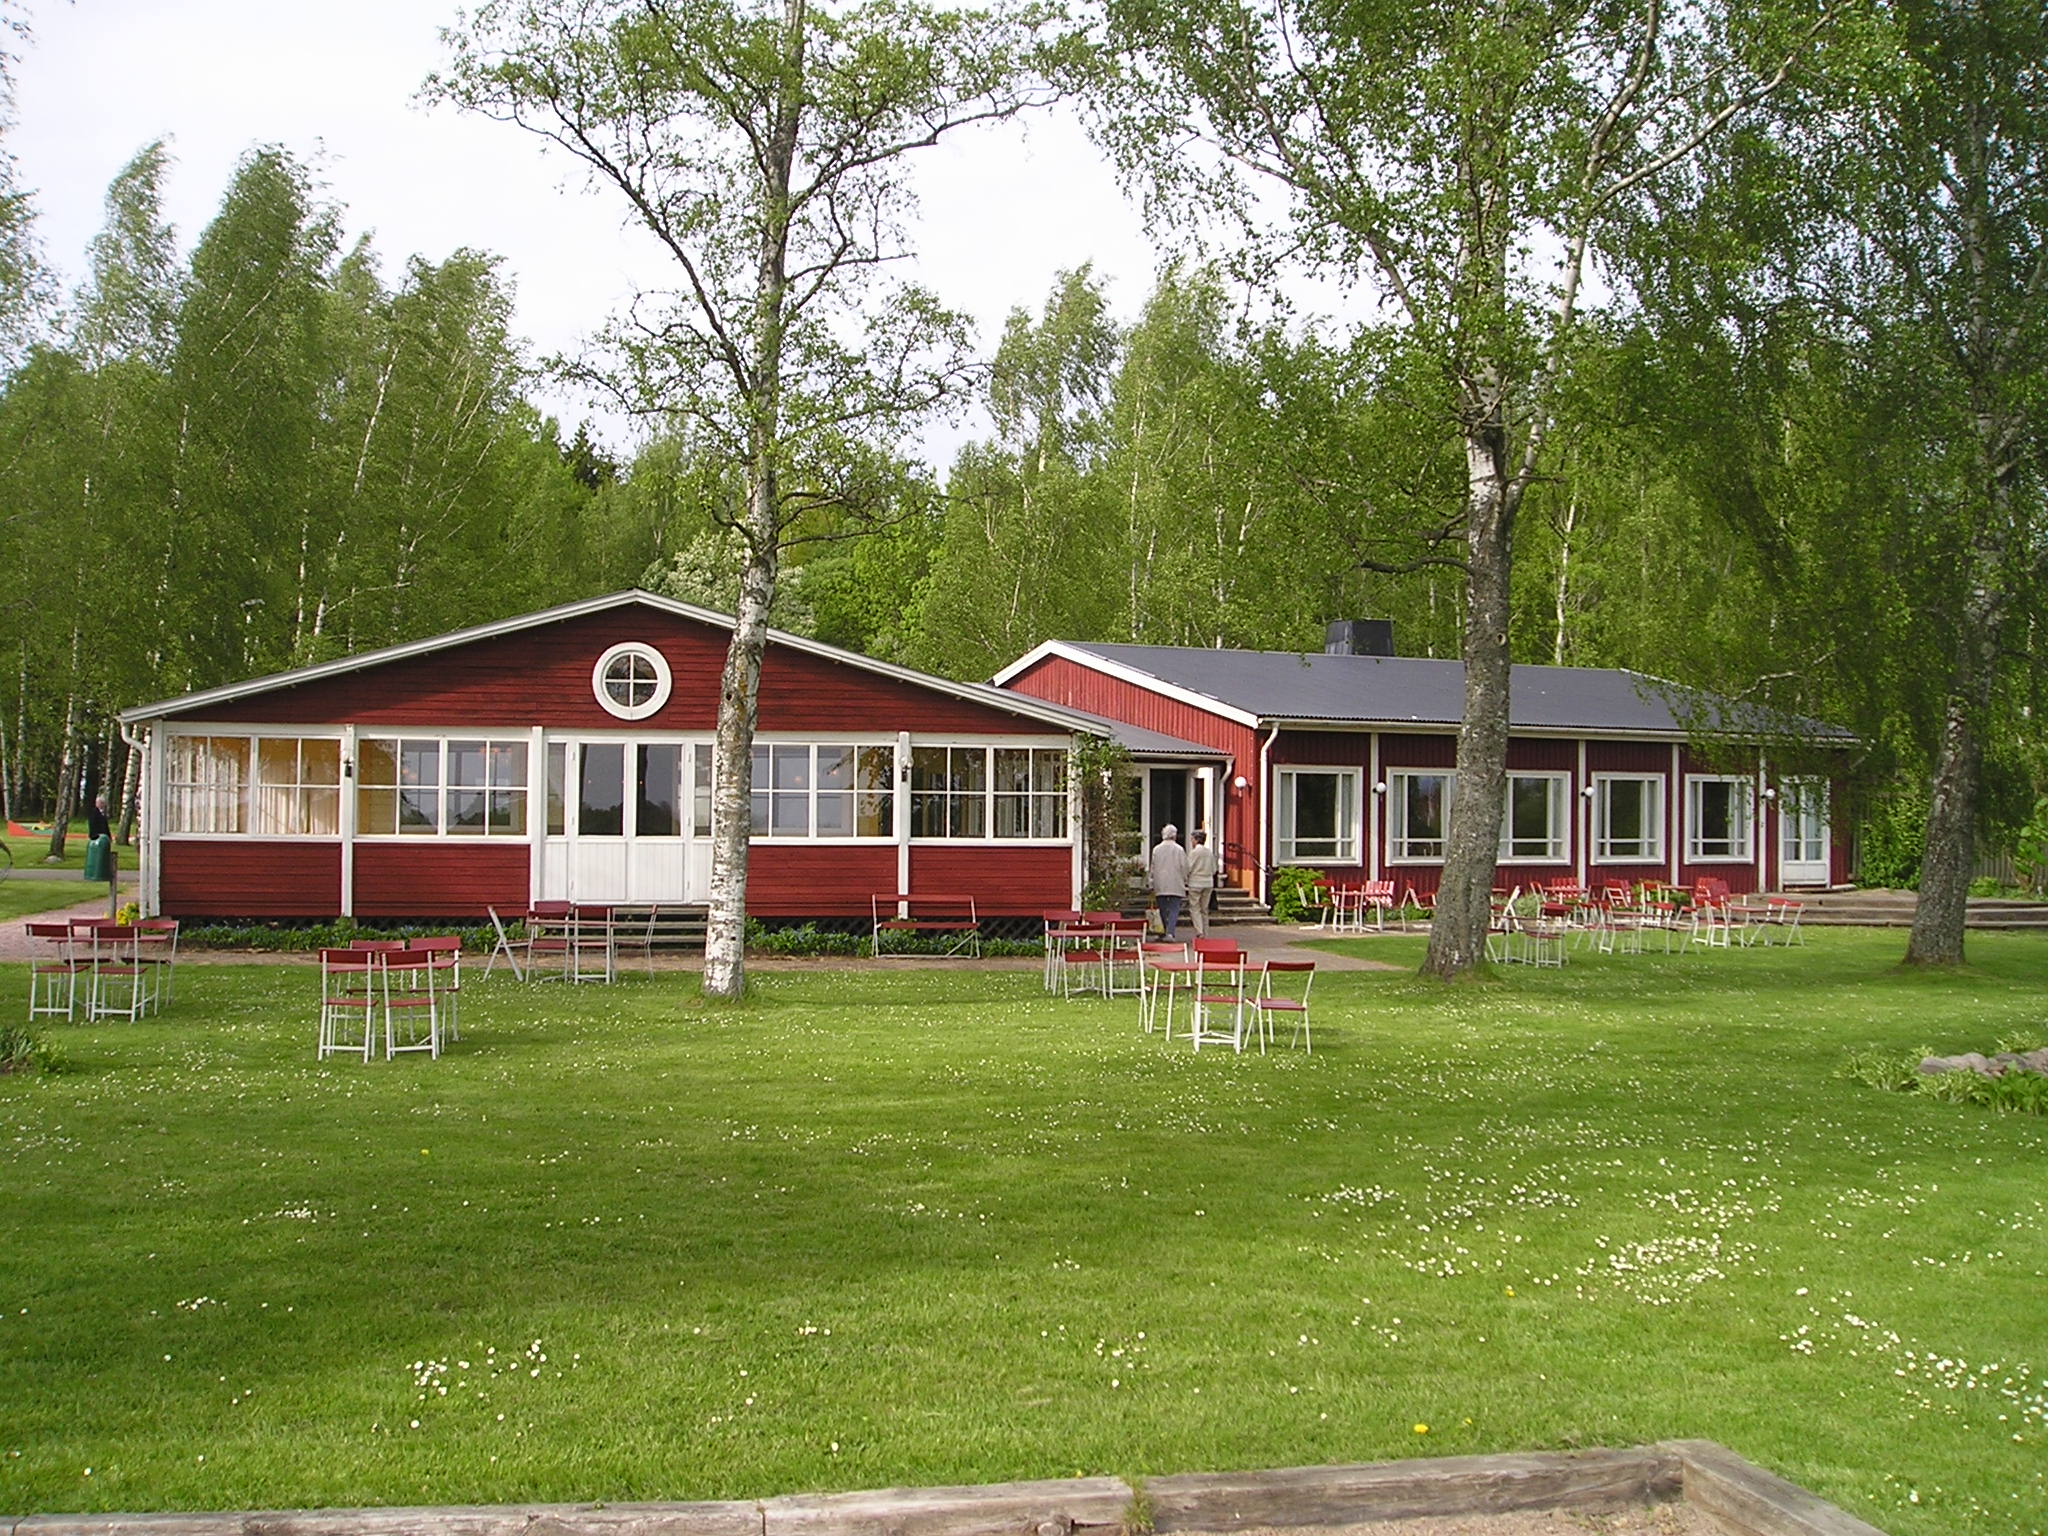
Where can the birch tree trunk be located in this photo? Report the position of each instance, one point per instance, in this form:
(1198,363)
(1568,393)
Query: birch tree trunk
(131,797)
(1464,902)
(725,937)
(67,774)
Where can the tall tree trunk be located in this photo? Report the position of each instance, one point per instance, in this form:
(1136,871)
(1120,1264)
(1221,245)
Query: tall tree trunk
(67,778)
(1464,902)
(131,797)
(1949,854)
(725,936)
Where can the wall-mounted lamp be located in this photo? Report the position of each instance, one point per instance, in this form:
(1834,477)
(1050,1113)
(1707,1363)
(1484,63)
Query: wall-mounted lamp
(1240,782)
(1770,794)
(1587,791)
(1380,788)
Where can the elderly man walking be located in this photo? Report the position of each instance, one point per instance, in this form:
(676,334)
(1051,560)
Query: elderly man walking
(1169,869)
(1201,882)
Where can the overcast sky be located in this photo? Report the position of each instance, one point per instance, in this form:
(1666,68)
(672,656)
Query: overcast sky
(335,82)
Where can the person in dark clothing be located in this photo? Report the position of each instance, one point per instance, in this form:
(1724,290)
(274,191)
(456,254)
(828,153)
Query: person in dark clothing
(96,819)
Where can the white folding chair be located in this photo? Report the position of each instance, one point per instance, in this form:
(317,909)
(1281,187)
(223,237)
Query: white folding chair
(591,955)
(157,949)
(120,981)
(412,1003)
(502,947)
(1219,1014)
(1284,987)
(444,954)
(54,967)
(348,1002)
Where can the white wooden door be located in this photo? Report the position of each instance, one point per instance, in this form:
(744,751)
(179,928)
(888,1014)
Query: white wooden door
(1803,832)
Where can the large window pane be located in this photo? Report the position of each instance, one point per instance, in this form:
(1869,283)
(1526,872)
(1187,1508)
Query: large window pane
(1533,821)
(419,786)
(1628,819)
(601,790)
(875,809)
(208,784)
(660,807)
(1717,818)
(1419,811)
(1317,815)
(558,788)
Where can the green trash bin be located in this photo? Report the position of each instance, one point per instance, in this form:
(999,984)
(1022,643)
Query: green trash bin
(99,858)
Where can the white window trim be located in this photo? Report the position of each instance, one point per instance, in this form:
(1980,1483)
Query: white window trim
(1558,801)
(989,746)
(1348,836)
(1792,793)
(1398,842)
(664,680)
(253,735)
(352,784)
(811,834)
(1746,853)
(1603,850)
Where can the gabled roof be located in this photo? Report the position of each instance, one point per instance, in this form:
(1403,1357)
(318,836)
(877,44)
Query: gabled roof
(1264,688)
(979,693)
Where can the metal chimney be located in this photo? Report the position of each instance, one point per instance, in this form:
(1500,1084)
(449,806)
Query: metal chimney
(1359,637)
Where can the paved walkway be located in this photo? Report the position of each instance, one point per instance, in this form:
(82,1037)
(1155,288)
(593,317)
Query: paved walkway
(1260,941)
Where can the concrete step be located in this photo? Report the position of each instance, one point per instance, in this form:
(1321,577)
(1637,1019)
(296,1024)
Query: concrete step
(1895,909)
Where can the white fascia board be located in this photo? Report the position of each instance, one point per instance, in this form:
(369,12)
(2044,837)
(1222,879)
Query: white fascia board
(1083,657)
(978,693)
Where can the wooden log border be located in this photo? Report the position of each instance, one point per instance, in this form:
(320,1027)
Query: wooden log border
(1743,1500)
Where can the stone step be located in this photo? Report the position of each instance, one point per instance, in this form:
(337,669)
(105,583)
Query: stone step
(1895,909)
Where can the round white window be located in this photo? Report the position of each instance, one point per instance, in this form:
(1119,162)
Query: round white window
(632,680)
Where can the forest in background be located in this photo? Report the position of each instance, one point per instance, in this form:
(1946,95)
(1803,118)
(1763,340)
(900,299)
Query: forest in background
(263,451)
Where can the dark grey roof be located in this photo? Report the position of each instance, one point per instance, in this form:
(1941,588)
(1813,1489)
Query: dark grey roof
(1407,690)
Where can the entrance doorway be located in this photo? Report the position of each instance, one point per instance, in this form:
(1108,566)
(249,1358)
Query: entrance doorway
(1166,802)
(1803,832)
(628,821)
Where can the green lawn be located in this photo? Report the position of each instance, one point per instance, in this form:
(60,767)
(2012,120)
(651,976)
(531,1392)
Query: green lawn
(879,1229)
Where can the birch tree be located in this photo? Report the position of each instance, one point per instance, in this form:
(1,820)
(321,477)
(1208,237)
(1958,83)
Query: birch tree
(1465,161)
(1887,242)
(761,144)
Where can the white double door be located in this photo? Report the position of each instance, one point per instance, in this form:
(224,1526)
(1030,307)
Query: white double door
(628,820)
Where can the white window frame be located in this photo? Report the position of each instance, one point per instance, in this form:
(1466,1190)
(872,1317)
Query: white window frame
(1557,805)
(1287,838)
(884,751)
(244,798)
(1402,848)
(663,680)
(1056,801)
(1795,796)
(1742,803)
(520,747)
(1651,786)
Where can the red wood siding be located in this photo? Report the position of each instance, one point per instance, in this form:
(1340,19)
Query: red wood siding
(1628,757)
(441,879)
(1002,881)
(797,880)
(1400,751)
(1323,749)
(1548,754)
(1063,681)
(542,677)
(247,877)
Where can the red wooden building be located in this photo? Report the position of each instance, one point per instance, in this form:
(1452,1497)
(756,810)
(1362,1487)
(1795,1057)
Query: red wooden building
(567,754)
(1346,762)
